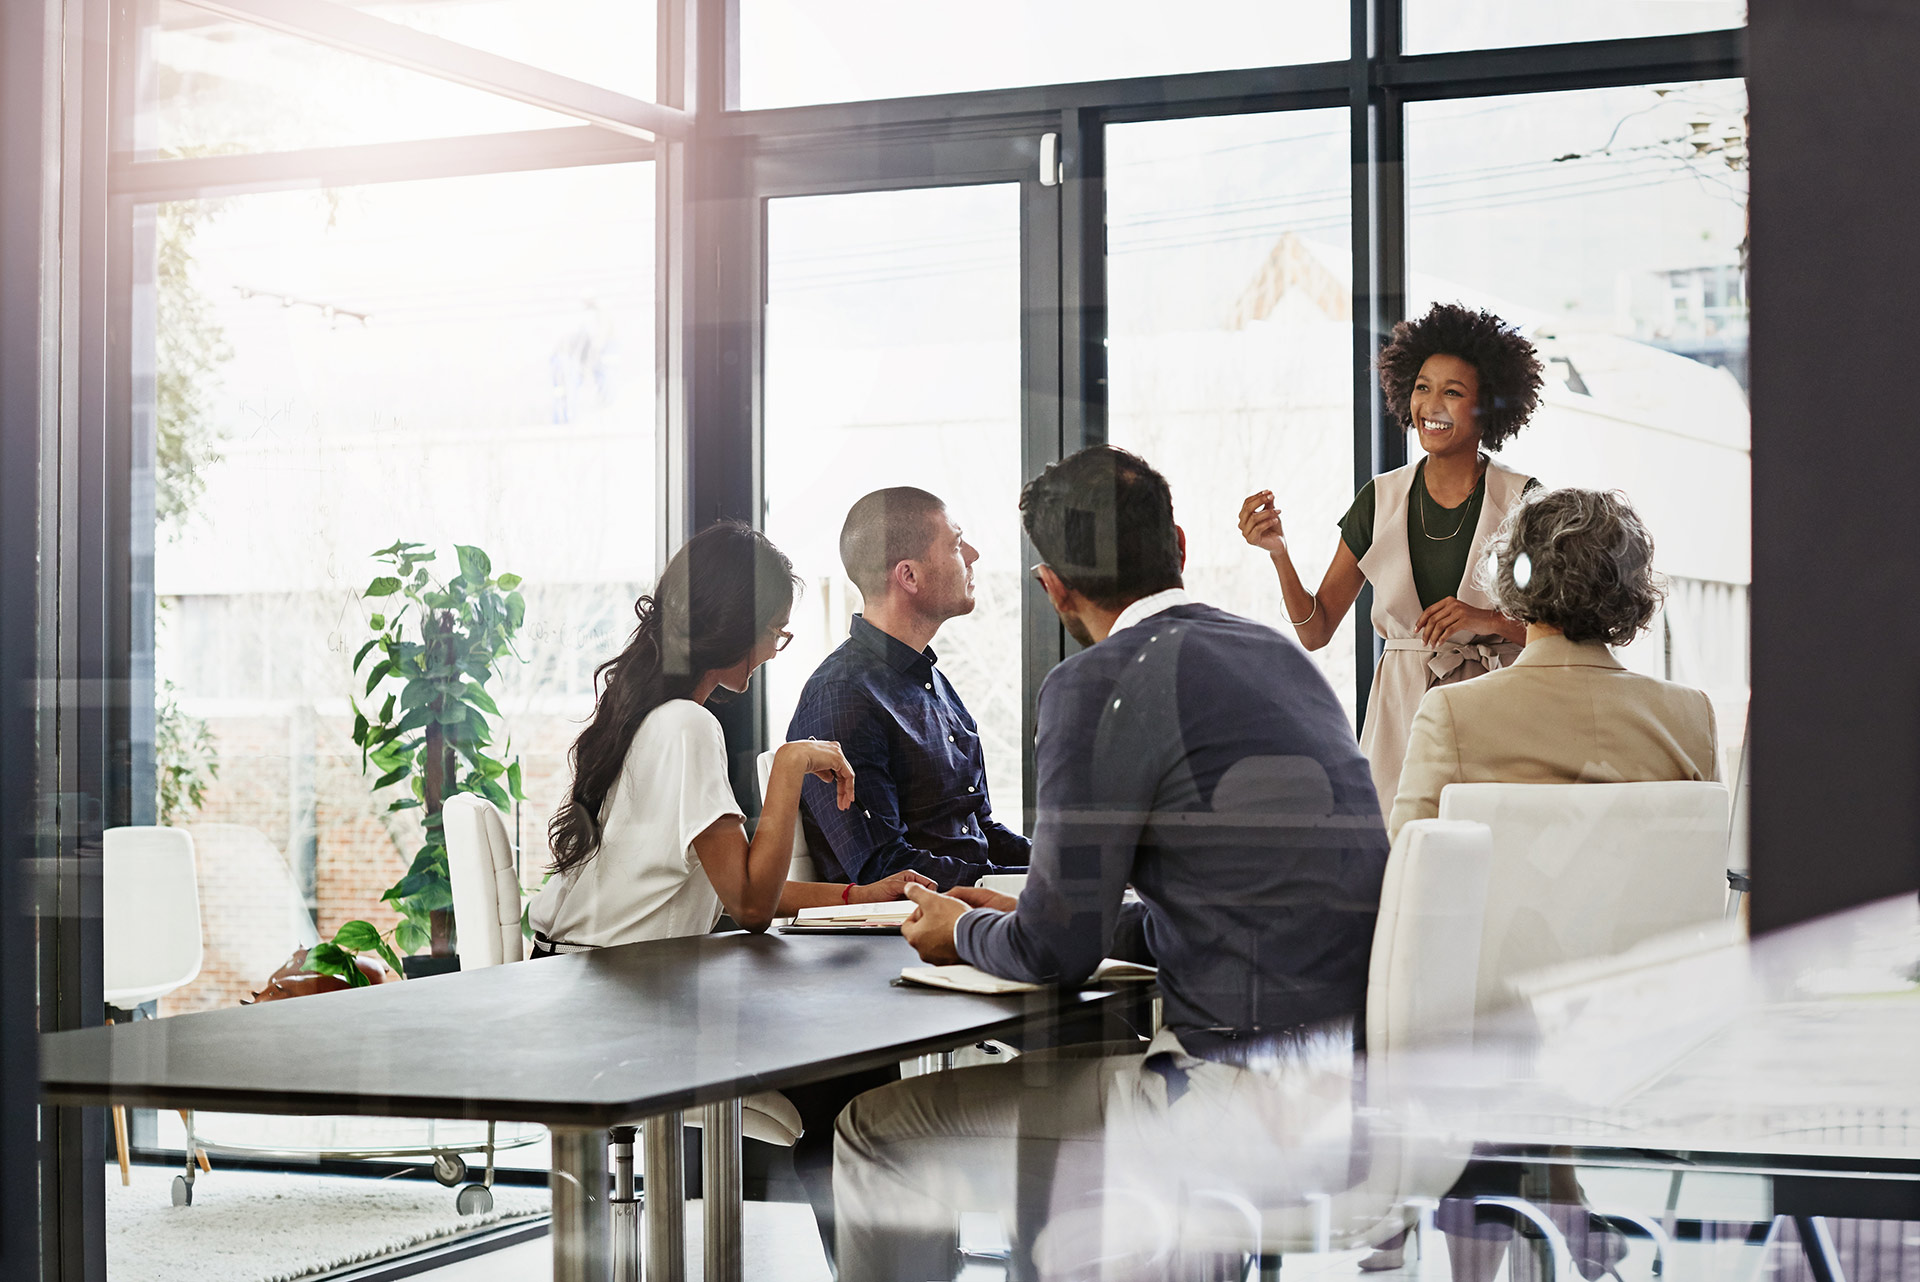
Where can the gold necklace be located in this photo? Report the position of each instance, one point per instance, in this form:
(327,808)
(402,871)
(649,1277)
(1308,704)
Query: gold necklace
(1442,538)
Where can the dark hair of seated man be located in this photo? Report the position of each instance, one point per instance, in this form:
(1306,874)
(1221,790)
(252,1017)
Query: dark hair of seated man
(1102,520)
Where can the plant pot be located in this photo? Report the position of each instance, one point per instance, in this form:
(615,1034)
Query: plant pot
(423,965)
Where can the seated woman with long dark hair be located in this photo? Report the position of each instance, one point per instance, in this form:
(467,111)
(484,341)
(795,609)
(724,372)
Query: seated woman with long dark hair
(650,842)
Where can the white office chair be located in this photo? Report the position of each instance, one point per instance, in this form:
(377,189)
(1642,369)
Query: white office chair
(1420,989)
(150,929)
(486,925)
(802,868)
(1589,870)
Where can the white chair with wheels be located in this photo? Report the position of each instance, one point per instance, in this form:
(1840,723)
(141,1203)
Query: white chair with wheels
(487,932)
(1588,871)
(802,868)
(150,941)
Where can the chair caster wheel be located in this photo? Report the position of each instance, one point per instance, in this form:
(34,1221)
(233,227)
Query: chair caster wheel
(449,1169)
(475,1199)
(182,1191)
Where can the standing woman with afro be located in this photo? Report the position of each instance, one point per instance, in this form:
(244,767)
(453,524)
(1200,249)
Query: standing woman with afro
(1466,381)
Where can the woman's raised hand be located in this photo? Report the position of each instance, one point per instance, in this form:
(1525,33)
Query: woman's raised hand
(822,759)
(1260,522)
(889,890)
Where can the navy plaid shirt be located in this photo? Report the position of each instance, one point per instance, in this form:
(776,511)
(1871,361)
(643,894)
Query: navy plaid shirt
(920,782)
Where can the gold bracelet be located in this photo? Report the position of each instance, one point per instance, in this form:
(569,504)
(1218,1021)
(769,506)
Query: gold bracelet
(1298,623)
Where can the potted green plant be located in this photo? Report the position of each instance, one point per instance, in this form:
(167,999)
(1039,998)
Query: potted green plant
(434,729)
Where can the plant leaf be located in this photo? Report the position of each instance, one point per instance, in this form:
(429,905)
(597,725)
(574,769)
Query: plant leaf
(479,698)
(513,781)
(357,936)
(410,937)
(363,651)
(385,585)
(394,775)
(474,563)
(508,582)
(379,674)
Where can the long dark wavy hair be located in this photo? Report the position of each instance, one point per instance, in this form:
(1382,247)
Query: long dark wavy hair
(720,595)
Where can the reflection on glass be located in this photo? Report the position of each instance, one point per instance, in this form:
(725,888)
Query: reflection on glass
(463,361)
(210,85)
(1611,226)
(1230,315)
(893,358)
(805,51)
(1435,26)
(601,42)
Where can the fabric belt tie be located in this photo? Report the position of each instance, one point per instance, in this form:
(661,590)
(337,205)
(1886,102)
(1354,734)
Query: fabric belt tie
(1449,655)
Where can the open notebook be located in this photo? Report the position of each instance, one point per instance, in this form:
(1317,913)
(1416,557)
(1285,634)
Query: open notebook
(888,914)
(966,979)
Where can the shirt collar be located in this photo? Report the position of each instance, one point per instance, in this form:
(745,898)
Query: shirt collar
(1558,652)
(900,656)
(1148,606)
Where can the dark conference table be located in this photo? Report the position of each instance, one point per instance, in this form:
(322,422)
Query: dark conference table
(579,1043)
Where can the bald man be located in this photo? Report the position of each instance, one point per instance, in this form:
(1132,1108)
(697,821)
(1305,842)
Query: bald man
(920,783)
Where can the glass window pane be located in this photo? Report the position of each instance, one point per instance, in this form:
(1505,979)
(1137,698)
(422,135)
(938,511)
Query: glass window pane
(1436,26)
(1231,338)
(209,85)
(1611,226)
(893,358)
(806,51)
(602,42)
(464,361)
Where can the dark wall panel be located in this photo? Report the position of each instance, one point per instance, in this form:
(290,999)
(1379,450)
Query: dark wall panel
(1836,575)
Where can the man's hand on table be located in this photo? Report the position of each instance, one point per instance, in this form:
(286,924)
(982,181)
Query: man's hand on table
(930,929)
(981,897)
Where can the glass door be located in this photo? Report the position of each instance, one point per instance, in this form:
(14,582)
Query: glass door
(893,357)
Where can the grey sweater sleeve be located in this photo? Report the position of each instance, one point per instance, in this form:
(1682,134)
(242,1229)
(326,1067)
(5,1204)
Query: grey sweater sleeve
(1088,826)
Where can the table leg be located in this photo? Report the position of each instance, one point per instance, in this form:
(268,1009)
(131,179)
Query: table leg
(665,1209)
(1822,1260)
(720,1189)
(578,1180)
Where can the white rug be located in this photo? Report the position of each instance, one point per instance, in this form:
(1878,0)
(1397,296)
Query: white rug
(252,1226)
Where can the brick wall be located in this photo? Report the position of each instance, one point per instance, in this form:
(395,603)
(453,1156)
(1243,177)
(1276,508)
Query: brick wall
(248,884)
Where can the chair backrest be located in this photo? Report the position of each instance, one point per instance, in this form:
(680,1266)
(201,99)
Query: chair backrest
(150,914)
(802,868)
(486,887)
(1590,870)
(1426,940)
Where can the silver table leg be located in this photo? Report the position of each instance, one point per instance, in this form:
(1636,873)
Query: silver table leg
(665,1208)
(720,1187)
(579,1184)
(626,1207)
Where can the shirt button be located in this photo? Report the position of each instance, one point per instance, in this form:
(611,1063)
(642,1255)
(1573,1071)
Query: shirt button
(929,685)
(969,787)
(949,738)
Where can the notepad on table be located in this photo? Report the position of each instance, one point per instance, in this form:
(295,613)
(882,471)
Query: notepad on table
(888,914)
(968,979)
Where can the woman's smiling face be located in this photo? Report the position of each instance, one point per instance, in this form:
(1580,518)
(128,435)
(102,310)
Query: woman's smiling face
(1445,404)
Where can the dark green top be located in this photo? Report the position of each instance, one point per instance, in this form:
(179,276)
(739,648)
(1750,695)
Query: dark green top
(1439,563)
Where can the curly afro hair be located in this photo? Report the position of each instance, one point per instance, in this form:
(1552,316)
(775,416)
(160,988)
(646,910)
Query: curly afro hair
(1508,366)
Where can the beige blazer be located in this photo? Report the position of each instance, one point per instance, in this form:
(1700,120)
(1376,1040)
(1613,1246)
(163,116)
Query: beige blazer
(1563,712)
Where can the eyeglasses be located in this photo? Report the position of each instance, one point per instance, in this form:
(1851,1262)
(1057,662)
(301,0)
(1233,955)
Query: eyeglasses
(1035,572)
(781,641)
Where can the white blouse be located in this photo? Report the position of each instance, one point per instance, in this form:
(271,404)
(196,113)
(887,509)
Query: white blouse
(645,881)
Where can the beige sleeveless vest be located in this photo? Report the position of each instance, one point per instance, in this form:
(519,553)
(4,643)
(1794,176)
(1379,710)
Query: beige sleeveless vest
(1410,666)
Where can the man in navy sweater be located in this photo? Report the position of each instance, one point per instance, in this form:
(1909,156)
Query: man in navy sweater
(1201,758)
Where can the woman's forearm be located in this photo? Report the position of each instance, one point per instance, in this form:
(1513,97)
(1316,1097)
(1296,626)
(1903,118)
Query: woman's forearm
(1512,629)
(1315,625)
(769,856)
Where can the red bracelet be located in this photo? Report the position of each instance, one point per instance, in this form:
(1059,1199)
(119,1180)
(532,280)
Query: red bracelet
(846,891)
